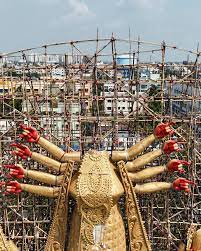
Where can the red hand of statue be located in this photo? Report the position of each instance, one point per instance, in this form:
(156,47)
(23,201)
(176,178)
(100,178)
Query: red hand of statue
(13,187)
(164,129)
(170,146)
(182,184)
(21,150)
(16,171)
(177,165)
(29,133)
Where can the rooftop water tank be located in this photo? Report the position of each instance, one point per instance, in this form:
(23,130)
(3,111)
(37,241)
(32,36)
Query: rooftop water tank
(125,59)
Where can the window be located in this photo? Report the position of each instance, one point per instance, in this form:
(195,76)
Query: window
(3,90)
(143,86)
(109,108)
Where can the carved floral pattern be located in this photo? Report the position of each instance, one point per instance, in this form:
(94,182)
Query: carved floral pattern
(57,234)
(137,232)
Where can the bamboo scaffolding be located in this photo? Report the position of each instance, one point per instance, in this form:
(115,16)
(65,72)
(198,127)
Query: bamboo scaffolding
(27,219)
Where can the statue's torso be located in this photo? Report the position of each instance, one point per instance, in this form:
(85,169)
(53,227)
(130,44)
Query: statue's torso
(117,188)
(96,188)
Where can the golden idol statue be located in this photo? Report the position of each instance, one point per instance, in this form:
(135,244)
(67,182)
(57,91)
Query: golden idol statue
(96,183)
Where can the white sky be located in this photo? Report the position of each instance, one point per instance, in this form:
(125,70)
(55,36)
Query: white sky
(26,23)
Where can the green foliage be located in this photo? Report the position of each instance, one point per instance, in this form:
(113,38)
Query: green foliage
(15,74)
(12,102)
(87,128)
(154,105)
(16,103)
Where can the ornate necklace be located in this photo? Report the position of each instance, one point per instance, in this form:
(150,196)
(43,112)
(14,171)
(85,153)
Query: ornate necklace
(94,196)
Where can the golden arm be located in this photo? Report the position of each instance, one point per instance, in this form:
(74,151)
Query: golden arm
(168,147)
(31,135)
(141,161)
(152,187)
(162,130)
(15,187)
(180,184)
(57,152)
(174,165)
(51,192)
(44,177)
(48,162)
(147,173)
(17,171)
(134,150)
(24,152)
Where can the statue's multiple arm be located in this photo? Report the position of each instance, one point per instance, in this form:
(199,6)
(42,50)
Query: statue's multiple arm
(18,172)
(24,152)
(161,131)
(173,165)
(133,166)
(152,187)
(15,187)
(31,135)
(140,162)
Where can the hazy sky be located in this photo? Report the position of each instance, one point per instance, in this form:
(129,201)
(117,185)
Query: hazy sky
(26,23)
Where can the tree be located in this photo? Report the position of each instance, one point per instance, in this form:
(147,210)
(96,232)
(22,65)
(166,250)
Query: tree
(154,105)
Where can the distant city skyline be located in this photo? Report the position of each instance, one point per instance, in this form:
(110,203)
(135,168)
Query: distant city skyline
(35,22)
